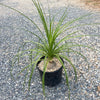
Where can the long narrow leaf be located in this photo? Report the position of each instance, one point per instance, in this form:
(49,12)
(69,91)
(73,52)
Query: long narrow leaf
(75,45)
(32,70)
(79,25)
(22,15)
(40,45)
(43,76)
(65,57)
(67,81)
(26,67)
(65,38)
(35,34)
(41,14)
(72,21)
(60,23)
(63,27)
(79,53)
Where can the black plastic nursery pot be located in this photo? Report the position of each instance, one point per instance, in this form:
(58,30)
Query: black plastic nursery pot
(51,78)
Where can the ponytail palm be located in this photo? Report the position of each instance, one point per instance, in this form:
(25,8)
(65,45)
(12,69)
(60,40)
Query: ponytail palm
(49,45)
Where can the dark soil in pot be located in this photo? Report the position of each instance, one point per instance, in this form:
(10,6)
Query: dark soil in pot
(53,74)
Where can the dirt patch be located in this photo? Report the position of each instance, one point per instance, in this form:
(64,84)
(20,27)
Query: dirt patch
(86,4)
(92,3)
(53,65)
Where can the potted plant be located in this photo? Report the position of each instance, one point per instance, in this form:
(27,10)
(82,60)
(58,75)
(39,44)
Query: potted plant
(50,52)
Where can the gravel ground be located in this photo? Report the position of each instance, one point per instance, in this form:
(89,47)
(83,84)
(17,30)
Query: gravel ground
(11,37)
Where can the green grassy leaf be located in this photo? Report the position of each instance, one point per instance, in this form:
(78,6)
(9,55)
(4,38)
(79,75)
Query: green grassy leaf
(43,76)
(67,81)
(63,27)
(32,70)
(22,15)
(41,14)
(66,58)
